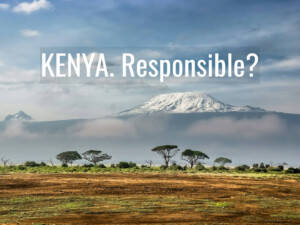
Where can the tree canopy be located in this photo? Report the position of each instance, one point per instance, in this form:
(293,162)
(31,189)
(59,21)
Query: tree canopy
(68,157)
(222,161)
(95,156)
(193,156)
(167,152)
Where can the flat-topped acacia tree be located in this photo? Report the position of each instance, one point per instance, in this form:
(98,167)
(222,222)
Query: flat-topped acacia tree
(68,157)
(222,161)
(95,156)
(167,152)
(193,157)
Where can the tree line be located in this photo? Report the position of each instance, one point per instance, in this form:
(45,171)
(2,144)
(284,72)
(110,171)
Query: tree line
(194,158)
(167,152)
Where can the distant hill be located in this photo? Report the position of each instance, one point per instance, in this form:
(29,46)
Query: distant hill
(18,116)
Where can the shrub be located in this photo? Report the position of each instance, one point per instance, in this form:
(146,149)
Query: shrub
(199,167)
(281,167)
(274,168)
(222,168)
(213,168)
(113,166)
(293,170)
(31,164)
(255,166)
(163,167)
(21,167)
(260,170)
(101,165)
(242,168)
(88,165)
(64,165)
(123,165)
(43,164)
(175,167)
(132,165)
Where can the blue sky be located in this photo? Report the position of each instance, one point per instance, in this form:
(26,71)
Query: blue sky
(273,26)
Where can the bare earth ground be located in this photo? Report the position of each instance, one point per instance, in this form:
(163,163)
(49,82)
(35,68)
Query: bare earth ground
(147,198)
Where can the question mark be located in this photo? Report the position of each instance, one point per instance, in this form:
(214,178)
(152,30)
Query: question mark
(249,56)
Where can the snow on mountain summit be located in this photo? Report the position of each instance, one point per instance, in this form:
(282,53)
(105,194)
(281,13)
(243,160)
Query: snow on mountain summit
(18,116)
(186,102)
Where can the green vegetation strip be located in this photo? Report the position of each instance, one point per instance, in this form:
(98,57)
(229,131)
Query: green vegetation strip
(32,207)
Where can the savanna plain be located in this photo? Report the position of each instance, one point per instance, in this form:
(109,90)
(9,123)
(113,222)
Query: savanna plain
(149,198)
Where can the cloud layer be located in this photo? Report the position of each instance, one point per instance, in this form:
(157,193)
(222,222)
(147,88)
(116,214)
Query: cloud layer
(29,7)
(4,6)
(234,128)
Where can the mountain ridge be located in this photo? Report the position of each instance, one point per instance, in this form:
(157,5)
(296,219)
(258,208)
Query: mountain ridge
(186,102)
(19,116)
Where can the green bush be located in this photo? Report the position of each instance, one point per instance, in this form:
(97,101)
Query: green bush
(221,168)
(274,168)
(281,167)
(21,167)
(175,167)
(43,164)
(258,170)
(88,165)
(64,165)
(31,164)
(242,168)
(199,167)
(214,168)
(255,165)
(262,166)
(163,167)
(123,165)
(132,165)
(293,170)
(101,165)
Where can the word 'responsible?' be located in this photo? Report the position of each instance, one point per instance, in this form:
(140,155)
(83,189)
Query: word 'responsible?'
(67,65)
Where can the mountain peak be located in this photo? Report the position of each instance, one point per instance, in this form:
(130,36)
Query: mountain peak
(186,102)
(18,116)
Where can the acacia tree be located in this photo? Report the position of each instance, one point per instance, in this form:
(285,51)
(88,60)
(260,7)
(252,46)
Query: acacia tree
(95,156)
(51,162)
(222,161)
(68,157)
(192,156)
(167,152)
(4,161)
(150,163)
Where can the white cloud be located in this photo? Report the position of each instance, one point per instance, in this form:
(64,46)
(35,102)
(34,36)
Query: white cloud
(30,33)
(16,130)
(104,128)
(17,75)
(4,6)
(283,65)
(229,127)
(28,8)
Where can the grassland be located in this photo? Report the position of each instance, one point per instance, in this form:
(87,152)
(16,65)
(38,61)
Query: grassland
(149,198)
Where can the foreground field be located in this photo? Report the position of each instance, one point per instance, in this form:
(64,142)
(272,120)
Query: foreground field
(148,198)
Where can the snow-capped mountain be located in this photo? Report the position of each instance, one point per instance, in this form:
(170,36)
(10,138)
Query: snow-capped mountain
(18,116)
(186,102)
